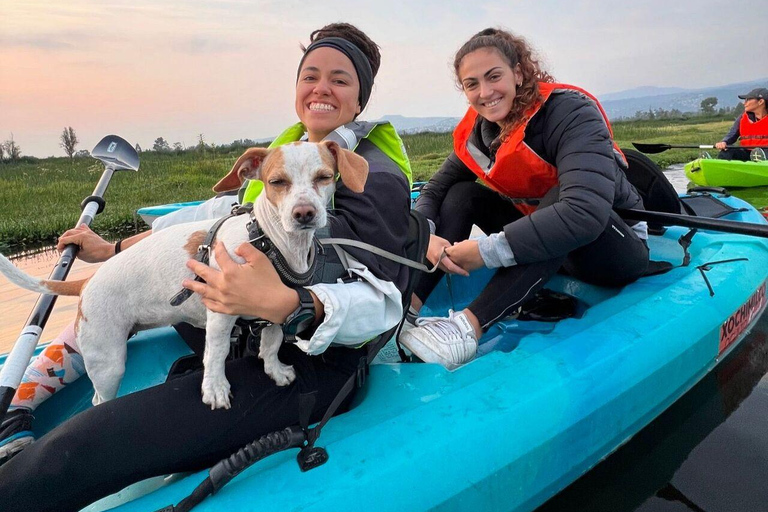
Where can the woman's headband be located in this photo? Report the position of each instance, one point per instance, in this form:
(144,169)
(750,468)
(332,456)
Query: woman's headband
(359,61)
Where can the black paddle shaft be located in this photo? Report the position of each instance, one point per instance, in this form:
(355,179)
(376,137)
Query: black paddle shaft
(92,205)
(671,219)
(652,149)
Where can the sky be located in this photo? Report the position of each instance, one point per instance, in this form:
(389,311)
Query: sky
(144,69)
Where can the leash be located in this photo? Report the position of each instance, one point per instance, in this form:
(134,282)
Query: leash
(384,254)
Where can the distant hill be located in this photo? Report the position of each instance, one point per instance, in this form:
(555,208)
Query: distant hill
(405,125)
(616,104)
(627,103)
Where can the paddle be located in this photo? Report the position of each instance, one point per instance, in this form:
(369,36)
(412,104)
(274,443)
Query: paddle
(652,149)
(672,219)
(117,155)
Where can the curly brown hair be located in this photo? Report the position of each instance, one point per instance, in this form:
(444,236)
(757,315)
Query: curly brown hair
(355,36)
(515,50)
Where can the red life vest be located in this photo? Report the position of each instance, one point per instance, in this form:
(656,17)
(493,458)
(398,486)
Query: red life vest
(517,172)
(753,134)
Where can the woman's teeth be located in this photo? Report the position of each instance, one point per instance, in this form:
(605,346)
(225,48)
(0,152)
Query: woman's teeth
(493,103)
(321,106)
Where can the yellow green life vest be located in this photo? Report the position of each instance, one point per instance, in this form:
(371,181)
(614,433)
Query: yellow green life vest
(381,134)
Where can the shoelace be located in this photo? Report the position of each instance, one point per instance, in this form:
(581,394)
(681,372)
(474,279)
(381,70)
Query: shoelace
(443,327)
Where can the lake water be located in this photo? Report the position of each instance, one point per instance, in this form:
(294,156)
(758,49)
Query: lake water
(706,453)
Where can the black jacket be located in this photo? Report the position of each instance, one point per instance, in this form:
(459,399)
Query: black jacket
(570,133)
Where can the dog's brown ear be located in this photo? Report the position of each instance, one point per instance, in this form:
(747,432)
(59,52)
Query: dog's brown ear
(247,166)
(352,167)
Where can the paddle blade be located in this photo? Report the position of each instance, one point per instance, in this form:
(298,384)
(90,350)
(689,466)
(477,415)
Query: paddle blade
(651,149)
(117,153)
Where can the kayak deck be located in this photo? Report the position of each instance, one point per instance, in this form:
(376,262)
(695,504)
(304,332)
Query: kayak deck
(711,172)
(544,404)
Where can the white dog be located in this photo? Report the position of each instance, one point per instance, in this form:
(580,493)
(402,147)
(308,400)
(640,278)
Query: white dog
(131,291)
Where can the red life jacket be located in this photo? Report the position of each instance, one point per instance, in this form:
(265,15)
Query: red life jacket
(753,134)
(517,172)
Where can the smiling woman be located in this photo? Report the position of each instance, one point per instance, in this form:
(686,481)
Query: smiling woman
(555,178)
(167,428)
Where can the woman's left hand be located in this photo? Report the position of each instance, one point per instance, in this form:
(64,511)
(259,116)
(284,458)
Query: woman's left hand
(466,254)
(252,288)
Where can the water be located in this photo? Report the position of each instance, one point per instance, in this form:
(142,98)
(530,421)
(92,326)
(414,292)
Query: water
(708,452)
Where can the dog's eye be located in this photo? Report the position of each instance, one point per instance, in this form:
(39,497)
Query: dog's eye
(323,178)
(278,182)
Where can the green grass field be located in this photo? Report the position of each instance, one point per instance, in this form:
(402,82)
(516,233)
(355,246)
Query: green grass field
(38,201)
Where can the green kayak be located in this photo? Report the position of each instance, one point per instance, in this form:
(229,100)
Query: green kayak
(711,172)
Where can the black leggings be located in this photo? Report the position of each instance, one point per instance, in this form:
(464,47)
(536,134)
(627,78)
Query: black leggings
(615,258)
(163,429)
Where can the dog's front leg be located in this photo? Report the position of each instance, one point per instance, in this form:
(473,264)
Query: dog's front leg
(215,384)
(271,339)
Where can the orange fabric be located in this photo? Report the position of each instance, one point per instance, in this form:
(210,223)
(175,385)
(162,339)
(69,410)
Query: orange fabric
(517,172)
(753,134)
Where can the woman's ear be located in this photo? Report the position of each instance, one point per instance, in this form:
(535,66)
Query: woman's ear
(247,166)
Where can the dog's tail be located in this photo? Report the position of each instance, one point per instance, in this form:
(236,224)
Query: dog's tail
(44,286)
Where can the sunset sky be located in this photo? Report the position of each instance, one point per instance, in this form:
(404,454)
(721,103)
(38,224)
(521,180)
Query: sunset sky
(175,69)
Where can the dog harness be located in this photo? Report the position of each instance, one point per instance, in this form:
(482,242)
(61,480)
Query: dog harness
(260,241)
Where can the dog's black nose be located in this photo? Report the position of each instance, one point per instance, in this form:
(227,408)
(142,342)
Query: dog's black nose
(304,214)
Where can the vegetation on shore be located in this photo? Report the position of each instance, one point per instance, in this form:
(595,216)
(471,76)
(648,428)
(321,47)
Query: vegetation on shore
(39,199)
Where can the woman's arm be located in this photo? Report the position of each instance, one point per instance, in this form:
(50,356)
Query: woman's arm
(576,140)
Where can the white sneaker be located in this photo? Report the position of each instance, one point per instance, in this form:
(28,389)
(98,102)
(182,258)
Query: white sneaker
(450,341)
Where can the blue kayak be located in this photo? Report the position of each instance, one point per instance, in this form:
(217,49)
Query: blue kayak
(150,213)
(542,404)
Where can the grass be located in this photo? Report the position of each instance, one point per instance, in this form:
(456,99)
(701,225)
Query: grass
(40,200)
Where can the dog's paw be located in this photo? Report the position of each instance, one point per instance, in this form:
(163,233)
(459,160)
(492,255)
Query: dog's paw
(216,393)
(282,374)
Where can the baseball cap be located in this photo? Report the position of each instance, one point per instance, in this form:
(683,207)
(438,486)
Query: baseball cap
(761,93)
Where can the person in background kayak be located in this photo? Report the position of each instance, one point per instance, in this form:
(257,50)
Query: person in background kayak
(751,127)
(167,428)
(554,179)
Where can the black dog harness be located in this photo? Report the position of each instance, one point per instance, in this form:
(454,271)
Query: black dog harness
(260,241)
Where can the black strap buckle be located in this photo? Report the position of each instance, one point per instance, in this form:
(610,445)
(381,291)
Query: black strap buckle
(311,457)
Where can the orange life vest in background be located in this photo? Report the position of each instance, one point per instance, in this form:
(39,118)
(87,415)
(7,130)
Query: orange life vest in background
(517,172)
(753,134)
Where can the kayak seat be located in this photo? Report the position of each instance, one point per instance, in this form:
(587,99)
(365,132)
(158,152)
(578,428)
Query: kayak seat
(654,188)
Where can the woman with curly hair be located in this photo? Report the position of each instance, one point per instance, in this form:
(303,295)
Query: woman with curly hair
(554,180)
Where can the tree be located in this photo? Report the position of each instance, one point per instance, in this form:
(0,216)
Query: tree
(69,141)
(161,145)
(83,153)
(708,105)
(12,150)
(178,148)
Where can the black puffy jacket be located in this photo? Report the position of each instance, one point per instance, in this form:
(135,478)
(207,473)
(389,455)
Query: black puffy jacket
(570,133)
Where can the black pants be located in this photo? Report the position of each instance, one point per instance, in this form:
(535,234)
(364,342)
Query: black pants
(163,429)
(615,258)
(734,154)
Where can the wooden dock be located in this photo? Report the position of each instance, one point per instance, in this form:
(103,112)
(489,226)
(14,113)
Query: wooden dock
(16,304)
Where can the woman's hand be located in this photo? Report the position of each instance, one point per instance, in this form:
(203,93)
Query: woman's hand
(447,264)
(721,145)
(93,248)
(466,254)
(249,289)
